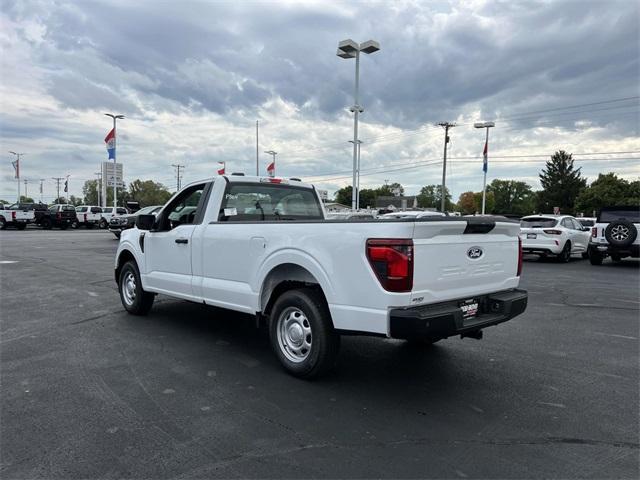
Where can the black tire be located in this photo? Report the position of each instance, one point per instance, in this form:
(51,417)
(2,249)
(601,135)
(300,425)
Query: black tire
(620,233)
(615,258)
(134,299)
(310,331)
(75,224)
(103,224)
(595,258)
(3,223)
(565,255)
(46,223)
(21,226)
(117,235)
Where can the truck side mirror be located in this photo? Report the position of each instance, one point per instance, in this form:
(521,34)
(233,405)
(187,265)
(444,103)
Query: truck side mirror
(145,222)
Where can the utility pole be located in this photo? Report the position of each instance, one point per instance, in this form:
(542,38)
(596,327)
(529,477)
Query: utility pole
(58,180)
(41,188)
(177,167)
(446,126)
(16,166)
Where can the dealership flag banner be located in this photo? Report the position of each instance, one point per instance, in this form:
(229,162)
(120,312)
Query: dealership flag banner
(16,167)
(484,157)
(271,169)
(110,140)
(222,168)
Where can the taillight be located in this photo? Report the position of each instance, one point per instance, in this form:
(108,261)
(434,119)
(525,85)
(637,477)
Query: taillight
(392,262)
(594,232)
(552,231)
(85,217)
(13,215)
(58,216)
(519,257)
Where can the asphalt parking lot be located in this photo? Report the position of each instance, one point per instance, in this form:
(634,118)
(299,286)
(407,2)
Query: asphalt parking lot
(195,392)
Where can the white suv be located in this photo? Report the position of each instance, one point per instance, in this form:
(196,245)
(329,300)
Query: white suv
(107,214)
(615,234)
(559,235)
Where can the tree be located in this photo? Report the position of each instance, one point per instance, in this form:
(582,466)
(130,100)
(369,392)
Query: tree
(430,196)
(368,198)
(561,183)
(608,189)
(489,202)
(59,200)
(467,203)
(75,201)
(90,192)
(24,199)
(343,196)
(148,192)
(511,196)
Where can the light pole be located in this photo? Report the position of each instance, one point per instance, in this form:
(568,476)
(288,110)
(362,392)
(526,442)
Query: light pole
(350,49)
(271,171)
(485,160)
(115,173)
(446,126)
(357,176)
(16,165)
(99,188)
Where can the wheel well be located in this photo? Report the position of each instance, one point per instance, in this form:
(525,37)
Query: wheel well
(124,257)
(283,278)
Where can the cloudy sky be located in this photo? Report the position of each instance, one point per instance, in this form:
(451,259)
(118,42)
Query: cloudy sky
(192,78)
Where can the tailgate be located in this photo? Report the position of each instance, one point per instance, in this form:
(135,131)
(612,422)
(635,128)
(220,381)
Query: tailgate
(460,259)
(24,215)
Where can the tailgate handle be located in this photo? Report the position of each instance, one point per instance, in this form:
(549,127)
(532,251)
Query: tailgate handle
(182,240)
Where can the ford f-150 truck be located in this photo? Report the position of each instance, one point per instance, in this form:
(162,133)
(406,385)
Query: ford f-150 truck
(264,247)
(15,216)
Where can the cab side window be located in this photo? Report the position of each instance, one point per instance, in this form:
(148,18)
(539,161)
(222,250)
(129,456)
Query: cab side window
(183,210)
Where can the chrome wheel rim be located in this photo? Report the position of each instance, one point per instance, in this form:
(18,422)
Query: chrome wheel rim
(619,232)
(294,334)
(129,288)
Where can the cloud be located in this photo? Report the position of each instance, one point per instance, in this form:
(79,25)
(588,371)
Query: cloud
(192,78)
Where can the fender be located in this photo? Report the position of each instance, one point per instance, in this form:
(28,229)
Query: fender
(129,243)
(297,257)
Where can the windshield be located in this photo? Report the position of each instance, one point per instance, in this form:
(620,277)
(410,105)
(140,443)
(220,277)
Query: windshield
(538,222)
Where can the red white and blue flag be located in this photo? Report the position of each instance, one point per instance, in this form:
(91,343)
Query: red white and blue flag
(16,167)
(221,169)
(484,157)
(271,169)
(110,140)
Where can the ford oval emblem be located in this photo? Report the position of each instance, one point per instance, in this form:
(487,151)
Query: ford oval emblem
(474,252)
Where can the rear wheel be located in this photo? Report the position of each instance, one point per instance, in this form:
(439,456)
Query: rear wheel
(3,223)
(302,333)
(565,255)
(46,223)
(134,299)
(75,224)
(595,258)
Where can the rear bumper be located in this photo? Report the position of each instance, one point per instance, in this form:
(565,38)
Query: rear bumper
(541,247)
(444,320)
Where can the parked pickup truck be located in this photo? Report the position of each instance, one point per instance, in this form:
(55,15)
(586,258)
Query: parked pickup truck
(14,216)
(263,246)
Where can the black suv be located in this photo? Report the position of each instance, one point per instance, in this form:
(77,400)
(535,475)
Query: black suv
(615,234)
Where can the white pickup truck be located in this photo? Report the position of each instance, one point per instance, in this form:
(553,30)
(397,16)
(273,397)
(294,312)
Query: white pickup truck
(263,246)
(15,216)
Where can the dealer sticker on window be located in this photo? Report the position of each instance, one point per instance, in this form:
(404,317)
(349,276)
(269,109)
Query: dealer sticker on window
(230,212)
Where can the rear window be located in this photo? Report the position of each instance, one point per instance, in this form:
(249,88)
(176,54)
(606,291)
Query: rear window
(619,214)
(261,202)
(81,209)
(586,223)
(66,208)
(107,210)
(96,210)
(538,222)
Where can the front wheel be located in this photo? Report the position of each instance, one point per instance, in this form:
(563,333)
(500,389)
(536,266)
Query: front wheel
(103,224)
(75,224)
(46,224)
(134,299)
(302,333)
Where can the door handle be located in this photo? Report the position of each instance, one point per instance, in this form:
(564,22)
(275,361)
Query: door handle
(182,240)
